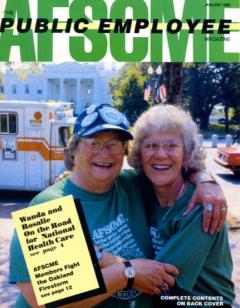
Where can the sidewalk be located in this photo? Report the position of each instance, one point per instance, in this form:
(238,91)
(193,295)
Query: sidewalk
(207,142)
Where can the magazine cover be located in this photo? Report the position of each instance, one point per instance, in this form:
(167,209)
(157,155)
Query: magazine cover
(109,113)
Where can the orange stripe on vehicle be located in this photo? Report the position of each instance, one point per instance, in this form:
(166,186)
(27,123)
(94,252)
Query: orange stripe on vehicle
(41,148)
(57,156)
(33,139)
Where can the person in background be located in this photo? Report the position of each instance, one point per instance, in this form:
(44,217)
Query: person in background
(164,149)
(111,201)
(236,136)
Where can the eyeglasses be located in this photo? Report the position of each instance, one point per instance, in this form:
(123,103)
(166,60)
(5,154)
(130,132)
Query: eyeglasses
(96,145)
(150,147)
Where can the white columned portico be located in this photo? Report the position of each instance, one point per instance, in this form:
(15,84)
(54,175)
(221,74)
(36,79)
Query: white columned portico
(83,84)
(61,97)
(96,95)
(45,90)
(78,91)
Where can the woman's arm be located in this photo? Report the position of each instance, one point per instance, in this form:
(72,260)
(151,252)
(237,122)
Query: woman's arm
(187,248)
(26,289)
(105,258)
(113,278)
(208,192)
(149,279)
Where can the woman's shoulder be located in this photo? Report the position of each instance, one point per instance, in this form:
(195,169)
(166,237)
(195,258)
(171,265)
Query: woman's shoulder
(54,191)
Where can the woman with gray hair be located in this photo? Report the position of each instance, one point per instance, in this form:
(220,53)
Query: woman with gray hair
(165,148)
(114,211)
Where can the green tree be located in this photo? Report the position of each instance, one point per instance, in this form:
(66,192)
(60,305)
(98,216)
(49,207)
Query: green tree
(23,69)
(202,90)
(173,77)
(128,90)
(230,91)
(209,84)
(115,81)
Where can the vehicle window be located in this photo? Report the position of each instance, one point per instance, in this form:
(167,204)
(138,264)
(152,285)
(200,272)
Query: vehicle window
(64,135)
(8,123)
(12,123)
(3,120)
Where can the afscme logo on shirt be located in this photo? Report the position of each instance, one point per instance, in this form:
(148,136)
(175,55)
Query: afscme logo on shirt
(115,224)
(126,295)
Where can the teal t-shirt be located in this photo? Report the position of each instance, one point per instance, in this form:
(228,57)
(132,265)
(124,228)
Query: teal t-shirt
(117,223)
(204,260)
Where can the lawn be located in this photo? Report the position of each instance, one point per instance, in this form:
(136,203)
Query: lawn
(217,129)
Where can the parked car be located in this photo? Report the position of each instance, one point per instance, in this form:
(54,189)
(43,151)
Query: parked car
(229,157)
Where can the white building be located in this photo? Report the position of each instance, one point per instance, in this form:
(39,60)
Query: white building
(83,84)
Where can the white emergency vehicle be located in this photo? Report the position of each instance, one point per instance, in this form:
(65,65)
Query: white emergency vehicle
(32,140)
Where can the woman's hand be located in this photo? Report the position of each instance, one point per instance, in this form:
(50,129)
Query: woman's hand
(152,276)
(212,198)
(106,258)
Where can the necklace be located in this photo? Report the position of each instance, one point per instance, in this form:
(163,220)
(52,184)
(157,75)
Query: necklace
(177,197)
